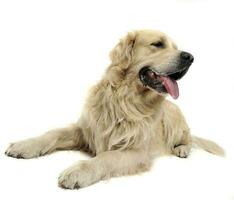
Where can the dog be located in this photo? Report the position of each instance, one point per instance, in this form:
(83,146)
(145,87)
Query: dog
(126,120)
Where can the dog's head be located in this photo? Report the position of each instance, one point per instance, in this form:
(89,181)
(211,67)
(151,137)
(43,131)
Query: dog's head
(152,58)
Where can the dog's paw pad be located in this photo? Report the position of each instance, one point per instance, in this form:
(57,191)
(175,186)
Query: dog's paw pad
(182,151)
(12,151)
(68,181)
(77,176)
(24,149)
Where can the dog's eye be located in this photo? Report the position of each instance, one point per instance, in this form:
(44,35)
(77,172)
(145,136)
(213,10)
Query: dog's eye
(158,44)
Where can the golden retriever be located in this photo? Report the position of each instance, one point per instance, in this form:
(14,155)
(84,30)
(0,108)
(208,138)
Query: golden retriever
(126,120)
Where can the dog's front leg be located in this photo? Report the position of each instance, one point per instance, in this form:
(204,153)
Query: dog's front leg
(57,139)
(183,146)
(103,166)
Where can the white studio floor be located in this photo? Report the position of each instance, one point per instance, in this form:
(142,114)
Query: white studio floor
(201,176)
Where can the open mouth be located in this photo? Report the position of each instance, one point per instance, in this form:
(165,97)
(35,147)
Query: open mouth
(162,83)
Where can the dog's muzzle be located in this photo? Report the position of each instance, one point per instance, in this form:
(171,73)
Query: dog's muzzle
(166,82)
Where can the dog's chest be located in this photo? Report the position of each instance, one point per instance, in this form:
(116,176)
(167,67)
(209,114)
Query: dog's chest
(111,131)
(115,122)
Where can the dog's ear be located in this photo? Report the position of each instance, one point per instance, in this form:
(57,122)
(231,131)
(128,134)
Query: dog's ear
(122,53)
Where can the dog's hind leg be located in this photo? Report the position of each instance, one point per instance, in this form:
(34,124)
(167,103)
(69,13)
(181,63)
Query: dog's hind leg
(57,139)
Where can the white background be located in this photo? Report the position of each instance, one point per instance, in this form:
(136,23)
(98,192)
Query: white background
(51,52)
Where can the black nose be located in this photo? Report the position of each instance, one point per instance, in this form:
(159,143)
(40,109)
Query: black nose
(187,57)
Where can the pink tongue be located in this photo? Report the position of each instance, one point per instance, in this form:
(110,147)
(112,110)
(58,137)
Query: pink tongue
(171,86)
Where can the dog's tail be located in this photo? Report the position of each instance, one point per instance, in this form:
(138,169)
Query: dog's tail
(208,146)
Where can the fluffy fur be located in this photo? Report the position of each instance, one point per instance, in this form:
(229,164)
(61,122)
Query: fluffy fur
(124,125)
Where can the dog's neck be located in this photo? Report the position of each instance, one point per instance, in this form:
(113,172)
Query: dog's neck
(118,77)
(129,99)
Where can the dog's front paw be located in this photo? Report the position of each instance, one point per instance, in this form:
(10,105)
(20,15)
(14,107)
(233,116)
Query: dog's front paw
(182,151)
(26,149)
(77,176)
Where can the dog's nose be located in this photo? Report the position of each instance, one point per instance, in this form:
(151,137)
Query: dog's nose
(185,56)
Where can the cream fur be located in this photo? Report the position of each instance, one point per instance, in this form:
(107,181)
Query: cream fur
(123,124)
